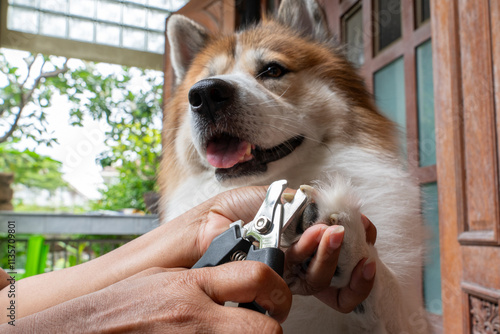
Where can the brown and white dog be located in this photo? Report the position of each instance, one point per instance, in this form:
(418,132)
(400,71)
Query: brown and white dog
(280,101)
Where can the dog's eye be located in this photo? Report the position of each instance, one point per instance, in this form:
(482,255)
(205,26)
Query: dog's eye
(272,70)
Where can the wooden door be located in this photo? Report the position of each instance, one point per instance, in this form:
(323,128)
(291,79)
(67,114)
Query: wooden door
(466,41)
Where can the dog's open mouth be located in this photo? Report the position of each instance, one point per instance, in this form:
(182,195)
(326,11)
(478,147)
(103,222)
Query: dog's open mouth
(234,157)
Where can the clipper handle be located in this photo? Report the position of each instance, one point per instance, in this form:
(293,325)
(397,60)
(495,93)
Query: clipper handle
(222,248)
(274,258)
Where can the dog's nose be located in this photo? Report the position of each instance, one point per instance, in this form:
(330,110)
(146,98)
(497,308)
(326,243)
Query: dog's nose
(209,96)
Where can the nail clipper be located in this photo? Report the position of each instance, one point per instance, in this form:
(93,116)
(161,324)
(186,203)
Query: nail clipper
(260,239)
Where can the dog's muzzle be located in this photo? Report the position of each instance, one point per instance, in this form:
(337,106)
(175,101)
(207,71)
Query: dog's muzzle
(222,139)
(210,97)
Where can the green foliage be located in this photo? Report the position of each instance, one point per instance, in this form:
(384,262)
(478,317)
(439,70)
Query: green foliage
(138,156)
(24,97)
(31,169)
(134,150)
(133,138)
(132,110)
(22,207)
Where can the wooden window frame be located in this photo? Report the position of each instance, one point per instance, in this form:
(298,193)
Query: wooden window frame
(413,35)
(405,47)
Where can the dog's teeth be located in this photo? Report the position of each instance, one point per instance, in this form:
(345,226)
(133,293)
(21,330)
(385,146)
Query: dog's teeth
(288,197)
(248,154)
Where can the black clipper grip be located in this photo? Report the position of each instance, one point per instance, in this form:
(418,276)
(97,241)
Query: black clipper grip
(273,257)
(223,247)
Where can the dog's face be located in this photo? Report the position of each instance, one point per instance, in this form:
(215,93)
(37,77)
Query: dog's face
(265,103)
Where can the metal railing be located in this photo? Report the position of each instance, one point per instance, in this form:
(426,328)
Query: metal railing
(48,242)
(65,253)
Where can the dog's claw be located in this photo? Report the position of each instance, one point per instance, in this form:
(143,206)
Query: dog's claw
(334,218)
(308,190)
(288,197)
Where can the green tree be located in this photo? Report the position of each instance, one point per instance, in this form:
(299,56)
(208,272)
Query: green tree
(131,107)
(23,99)
(133,138)
(25,96)
(136,158)
(31,169)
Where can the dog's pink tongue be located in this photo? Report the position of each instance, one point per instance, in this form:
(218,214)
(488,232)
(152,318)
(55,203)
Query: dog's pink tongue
(226,152)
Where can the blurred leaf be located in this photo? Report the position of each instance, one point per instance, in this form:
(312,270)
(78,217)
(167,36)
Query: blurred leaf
(132,113)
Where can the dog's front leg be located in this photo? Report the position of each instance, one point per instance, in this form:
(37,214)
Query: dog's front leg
(386,309)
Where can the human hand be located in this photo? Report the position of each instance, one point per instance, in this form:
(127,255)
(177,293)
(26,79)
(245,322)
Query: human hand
(312,261)
(243,203)
(222,210)
(174,300)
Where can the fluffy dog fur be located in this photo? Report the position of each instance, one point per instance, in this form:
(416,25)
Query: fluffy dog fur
(288,83)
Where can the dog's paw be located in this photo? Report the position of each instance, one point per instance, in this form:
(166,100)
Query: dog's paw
(336,203)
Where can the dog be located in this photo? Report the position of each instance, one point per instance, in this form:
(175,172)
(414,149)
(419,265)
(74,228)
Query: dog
(280,100)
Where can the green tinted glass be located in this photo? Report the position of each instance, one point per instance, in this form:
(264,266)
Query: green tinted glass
(389,89)
(432,269)
(388,22)
(425,105)
(353,25)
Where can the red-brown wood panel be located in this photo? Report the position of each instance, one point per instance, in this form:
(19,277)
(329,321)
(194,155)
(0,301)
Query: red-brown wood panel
(447,103)
(466,59)
(495,42)
(479,121)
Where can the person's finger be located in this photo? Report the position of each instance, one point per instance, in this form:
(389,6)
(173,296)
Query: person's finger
(305,247)
(241,203)
(348,298)
(371,230)
(322,266)
(244,282)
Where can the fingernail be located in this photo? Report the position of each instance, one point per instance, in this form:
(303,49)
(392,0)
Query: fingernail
(336,236)
(369,270)
(320,233)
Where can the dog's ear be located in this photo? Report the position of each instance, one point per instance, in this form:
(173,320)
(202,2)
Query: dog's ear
(306,16)
(186,39)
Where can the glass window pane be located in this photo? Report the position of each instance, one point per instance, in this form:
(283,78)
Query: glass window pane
(156,42)
(389,89)
(422,11)
(108,34)
(141,2)
(134,39)
(171,5)
(81,30)
(82,8)
(156,20)
(353,25)
(109,11)
(30,3)
(388,22)
(55,5)
(134,16)
(96,21)
(432,269)
(21,19)
(425,106)
(53,25)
